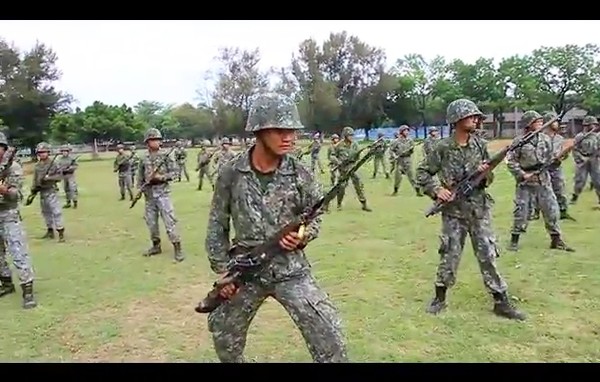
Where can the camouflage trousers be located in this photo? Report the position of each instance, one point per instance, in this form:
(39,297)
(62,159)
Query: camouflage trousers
(160,205)
(51,209)
(132,178)
(14,241)
(182,169)
(404,165)
(309,307)
(379,161)
(528,193)
(125,184)
(70,188)
(315,162)
(590,167)
(483,240)
(558,183)
(333,174)
(359,188)
(204,172)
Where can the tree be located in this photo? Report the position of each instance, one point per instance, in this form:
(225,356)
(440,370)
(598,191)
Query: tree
(193,122)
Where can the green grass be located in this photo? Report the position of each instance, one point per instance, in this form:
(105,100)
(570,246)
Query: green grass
(100,300)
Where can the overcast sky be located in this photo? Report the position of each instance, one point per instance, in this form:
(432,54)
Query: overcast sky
(127,61)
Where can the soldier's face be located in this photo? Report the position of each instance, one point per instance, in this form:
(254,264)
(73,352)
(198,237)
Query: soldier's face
(279,141)
(120,151)
(433,134)
(335,140)
(555,126)
(153,144)
(2,150)
(64,153)
(43,155)
(469,123)
(536,124)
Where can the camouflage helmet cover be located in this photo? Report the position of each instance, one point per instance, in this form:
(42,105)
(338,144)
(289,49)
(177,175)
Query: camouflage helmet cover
(3,140)
(42,147)
(225,141)
(548,116)
(152,133)
(335,136)
(403,127)
(460,109)
(432,129)
(530,116)
(65,148)
(347,131)
(273,111)
(120,146)
(589,120)
(132,147)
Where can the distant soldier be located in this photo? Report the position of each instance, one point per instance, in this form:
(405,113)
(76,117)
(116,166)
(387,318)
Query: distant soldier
(432,139)
(46,174)
(315,151)
(181,159)
(12,232)
(402,150)
(135,162)
(69,165)
(122,166)
(224,155)
(522,164)
(333,172)
(203,166)
(379,156)
(587,161)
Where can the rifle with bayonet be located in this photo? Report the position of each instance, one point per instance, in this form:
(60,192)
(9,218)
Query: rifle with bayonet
(247,261)
(473,180)
(38,187)
(148,181)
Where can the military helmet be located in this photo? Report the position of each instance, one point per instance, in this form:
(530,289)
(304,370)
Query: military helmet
(152,133)
(225,141)
(335,136)
(589,120)
(380,134)
(347,131)
(432,129)
(530,116)
(460,109)
(273,111)
(132,148)
(120,146)
(403,127)
(3,140)
(42,147)
(548,116)
(316,135)
(65,148)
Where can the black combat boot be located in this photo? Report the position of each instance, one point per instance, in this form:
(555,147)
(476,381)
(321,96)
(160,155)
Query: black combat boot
(387,176)
(122,197)
(439,301)
(574,198)
(591,187)
(67,204)
(365,207)
(49,234)
(28,300)
(395,192)
(155,249)
(6,286)
(179,256)
(75,204)
(61,235)
(564,215)
(418,192)
(514,243)
(503,308)
(556,242)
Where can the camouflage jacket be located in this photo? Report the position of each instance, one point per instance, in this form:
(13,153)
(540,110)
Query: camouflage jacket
(452,163)
(429,144)
(221,157)
(258,211)
(148,163)
(380,148)
(135,162)
(180,155)
(333,161)
(68,164)
(54,175)
(203,158)
(530,157)
(14,182)
(345,152)
(123,163)
(402,148)
(586,148)
(315,148)
(556,143)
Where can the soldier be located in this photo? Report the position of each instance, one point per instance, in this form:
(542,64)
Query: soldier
(522,163)
(46,175)
(122,166)
(14,239)
(432,139)
(224,155)
(333,172)
(379,155)
(315,150)
(68,165)
(586,160)
(157,194)
(203,167)
(451,159)
(401,151)
(249,192)
(391,157)
(346,154)
(180,158)
(135,161)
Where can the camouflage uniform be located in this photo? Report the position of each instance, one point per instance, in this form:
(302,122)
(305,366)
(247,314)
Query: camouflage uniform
(122,165)
(401,151)
(430,141)
(223,156)
(49,204)
(528,159)
(451,162)
(181,158)
(252,201)
(135,162)
(158,198)
(203,167)
(69,166)
(13,237)
(315,150)
(345,154)
(379,156)
(587,159)
(333,172)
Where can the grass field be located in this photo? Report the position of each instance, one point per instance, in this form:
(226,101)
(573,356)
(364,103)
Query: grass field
(100,300)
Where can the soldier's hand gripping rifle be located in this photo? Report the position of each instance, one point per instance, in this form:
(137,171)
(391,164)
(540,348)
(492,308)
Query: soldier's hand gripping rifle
(148,181)
(252,259)
(353,158)
(554,162)
(207,160)
(472,181)
(65,169)
(123,161)
(38,187)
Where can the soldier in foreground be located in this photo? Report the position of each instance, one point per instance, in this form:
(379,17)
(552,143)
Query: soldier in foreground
(401,151)
(523,164)
(345,152)
(46,175)
(586,160)
(249,192)
(203,167)
(122,166)
(69,166)
(333,172)
(135,162)
(315,151)
(433,138)
(379,157)
(181,158)
(157,194)
(14,239)
(451,159)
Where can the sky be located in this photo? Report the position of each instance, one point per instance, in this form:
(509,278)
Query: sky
(123,61)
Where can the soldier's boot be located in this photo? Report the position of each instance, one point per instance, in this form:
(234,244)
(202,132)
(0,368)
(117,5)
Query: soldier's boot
(503,308)
(178,255)
(49,234)
(574,198)
(564,215)
(155,249)
(514,243)
(365,207)
(395,192)
(439,301)
(122,197)
(418,192)
(387,176)
(6,286)
(67,204)
(339,206)
(75,203)
(28,300)
(591,187)
(61,235)
(556,242)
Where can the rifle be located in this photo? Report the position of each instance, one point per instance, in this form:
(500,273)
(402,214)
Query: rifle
(303,154)
(207,160)
(242,265)
(73,161)
(122,162)
(146,183)
(594,130)
(37,188)
(564,152)
(355,156)
(471,182)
